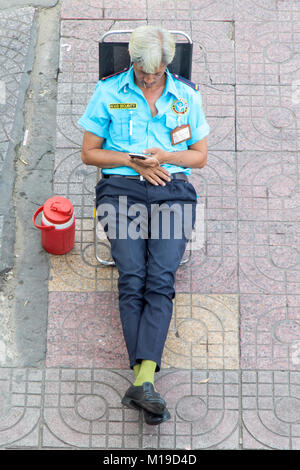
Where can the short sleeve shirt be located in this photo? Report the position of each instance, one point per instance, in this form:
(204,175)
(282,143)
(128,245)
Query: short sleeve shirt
(119,113)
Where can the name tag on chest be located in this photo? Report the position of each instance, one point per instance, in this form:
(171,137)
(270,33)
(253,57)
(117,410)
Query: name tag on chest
(181,134)
(122,106)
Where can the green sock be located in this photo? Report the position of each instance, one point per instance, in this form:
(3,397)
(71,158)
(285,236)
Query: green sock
(136,369)
(145,373)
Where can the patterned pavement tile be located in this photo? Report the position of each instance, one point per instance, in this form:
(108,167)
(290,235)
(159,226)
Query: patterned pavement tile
(107,9)
(72,9)
(203,406)
(271,410)
(267,53)
(80,408)
(150,9)
(83,409)
(189,10)
(71,273)
(213,52)
(270,332)
(268,187)
(75,180)
(267,118)
(79,57)
(20,407)
(215,185)
(214,268)
(124,9)
(84,330)
(269,257)
(219,108)
(213,10)
(203,333)
(79,271)
(266,10)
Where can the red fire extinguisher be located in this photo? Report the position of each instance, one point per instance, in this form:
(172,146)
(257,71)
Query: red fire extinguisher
(57,225)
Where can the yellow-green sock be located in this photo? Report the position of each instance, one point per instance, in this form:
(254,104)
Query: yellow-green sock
(145,373)
(136,369)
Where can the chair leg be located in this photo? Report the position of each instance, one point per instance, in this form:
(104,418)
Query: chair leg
(96,244)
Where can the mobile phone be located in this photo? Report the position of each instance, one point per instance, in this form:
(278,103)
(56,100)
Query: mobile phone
(138,155)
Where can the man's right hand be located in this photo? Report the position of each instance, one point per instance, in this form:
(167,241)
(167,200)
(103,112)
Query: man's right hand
(155,174)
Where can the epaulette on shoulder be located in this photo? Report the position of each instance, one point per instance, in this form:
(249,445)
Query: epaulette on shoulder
(193,85)
(114,74)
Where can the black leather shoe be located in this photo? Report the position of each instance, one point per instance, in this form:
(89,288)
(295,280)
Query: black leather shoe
(154,420)
(151,418)
(144,396)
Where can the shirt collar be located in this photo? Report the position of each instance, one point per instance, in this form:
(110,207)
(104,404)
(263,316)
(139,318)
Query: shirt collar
(127,81)
(170,85)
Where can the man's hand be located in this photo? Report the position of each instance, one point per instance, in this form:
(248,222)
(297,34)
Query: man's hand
(150,168)
(152,171)
(194,157)
(149,162)
(157,153)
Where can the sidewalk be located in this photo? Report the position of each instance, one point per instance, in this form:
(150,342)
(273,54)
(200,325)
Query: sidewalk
(231,365)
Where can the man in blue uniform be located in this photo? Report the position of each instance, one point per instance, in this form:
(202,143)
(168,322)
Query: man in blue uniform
(146,110)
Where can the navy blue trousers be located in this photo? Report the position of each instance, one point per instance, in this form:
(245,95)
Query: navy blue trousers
(148,228)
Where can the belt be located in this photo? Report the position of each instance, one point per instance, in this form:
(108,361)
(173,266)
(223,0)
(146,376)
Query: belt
(173,176)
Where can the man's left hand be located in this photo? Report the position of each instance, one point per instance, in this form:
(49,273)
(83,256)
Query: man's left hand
(150,161)
(157,153)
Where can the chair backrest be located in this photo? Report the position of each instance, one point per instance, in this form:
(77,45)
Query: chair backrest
(114,57)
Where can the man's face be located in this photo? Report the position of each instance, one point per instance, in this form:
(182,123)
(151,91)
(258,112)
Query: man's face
(149,80)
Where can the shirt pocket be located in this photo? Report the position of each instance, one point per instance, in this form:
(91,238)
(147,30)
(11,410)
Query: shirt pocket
(129,129)
(139,129)
(119,129)
(171,121)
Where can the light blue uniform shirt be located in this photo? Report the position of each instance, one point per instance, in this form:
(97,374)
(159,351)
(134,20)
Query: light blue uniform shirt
(119,113)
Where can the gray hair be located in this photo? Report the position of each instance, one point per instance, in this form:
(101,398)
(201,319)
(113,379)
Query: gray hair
(151,46)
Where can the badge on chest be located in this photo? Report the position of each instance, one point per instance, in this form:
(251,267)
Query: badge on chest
(181,133)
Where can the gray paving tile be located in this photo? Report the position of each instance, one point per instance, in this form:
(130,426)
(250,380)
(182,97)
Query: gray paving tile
(266,52)
(271,410)
(20,407)
(267,118)
(266,10)
(81,408)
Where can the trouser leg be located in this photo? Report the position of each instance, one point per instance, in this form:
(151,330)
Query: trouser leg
(147,268)
(158,297)
(129,253)
(130,258)
(164,256)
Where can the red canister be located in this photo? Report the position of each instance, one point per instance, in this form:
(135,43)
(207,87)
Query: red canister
(57,225)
